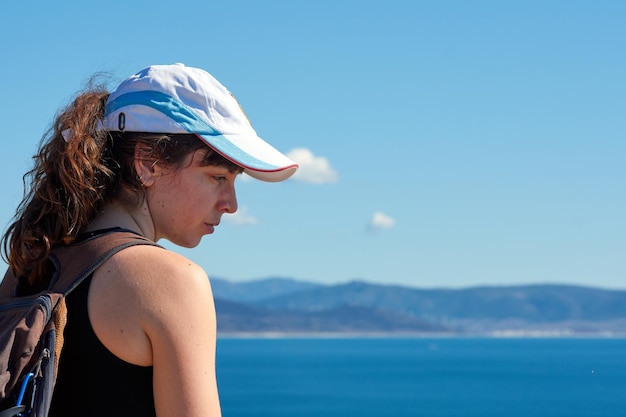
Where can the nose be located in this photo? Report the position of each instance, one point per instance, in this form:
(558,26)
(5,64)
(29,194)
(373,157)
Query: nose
(229,200)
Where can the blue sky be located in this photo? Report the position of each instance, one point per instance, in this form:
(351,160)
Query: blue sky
(443,143)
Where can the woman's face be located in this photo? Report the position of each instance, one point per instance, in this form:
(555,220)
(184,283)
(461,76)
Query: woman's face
(187,203)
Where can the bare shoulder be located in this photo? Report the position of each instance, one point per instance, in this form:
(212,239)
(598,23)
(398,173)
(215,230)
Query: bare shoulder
(162,282)
(145,293)
(156,274)
(155,262)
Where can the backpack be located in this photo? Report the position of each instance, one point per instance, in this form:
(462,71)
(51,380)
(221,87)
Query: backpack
(31,326)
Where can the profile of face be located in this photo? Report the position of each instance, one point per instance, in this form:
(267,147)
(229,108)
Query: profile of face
(188,202)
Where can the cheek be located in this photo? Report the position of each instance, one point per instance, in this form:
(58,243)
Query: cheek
(187,195)
(168,198)
(197,198)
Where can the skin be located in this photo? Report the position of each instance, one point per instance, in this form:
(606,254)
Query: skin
(153,307)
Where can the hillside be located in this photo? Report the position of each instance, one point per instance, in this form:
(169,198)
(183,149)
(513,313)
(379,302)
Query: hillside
(284,305)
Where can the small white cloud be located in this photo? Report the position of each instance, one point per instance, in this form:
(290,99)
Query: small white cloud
(240,218)
(313,169)
(381,221)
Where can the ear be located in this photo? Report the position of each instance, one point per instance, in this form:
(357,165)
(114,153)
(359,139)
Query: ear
(145,166)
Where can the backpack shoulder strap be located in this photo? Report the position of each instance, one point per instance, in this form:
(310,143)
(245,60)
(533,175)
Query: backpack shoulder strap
(77,261)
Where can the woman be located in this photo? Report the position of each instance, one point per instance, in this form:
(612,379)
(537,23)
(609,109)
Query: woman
(158,156)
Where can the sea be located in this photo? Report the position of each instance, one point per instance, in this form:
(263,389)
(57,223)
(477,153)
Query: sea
(418,376)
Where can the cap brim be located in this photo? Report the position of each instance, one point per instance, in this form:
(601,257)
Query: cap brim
(258,158)
(162,113)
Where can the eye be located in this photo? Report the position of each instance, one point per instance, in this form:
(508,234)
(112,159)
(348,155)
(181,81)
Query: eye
(220,179)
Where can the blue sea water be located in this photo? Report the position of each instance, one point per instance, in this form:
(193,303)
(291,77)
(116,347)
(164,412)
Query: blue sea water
(430,377)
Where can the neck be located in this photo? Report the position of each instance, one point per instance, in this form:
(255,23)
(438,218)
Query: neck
(117,215)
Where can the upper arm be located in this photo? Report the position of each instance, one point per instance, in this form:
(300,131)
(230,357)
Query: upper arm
(164,304)
(181,327)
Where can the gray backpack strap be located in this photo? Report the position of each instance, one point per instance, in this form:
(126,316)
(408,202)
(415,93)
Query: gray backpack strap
(77,261)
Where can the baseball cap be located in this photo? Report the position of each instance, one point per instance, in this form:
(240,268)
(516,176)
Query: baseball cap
(181,99)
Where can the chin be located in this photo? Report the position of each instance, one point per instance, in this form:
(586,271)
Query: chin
(186,243)
(190,245)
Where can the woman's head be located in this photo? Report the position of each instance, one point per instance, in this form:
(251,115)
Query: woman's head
(161,116)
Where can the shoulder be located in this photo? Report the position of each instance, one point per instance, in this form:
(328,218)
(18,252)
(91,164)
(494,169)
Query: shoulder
(150,295)
(154,261)
(158,278)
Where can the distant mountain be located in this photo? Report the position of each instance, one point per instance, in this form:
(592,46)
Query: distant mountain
(534,302)
(289,305)
(237,317)
(259,289)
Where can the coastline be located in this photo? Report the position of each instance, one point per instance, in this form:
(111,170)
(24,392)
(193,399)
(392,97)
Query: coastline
(510,334)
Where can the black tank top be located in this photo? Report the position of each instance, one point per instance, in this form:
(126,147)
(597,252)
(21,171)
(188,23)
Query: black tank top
(92,382)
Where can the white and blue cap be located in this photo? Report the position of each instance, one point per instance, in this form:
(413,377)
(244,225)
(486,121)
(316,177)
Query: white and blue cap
(180,99)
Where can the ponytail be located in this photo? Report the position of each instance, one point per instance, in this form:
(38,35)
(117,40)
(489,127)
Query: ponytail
(64,189)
